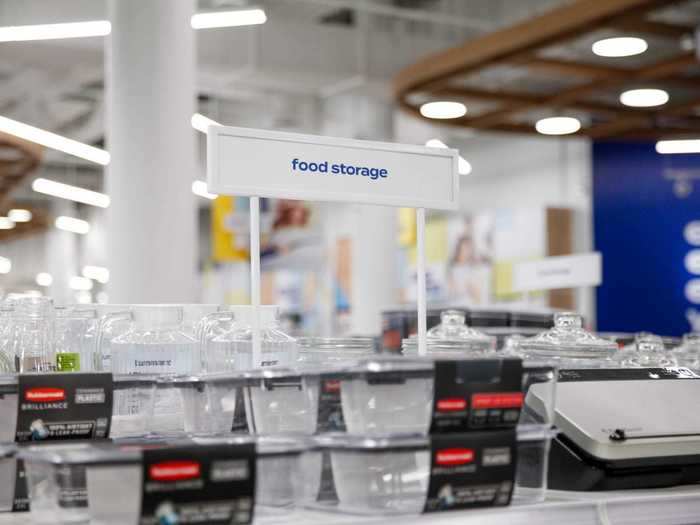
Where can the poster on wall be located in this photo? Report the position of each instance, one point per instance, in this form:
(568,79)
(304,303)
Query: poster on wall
(470,258)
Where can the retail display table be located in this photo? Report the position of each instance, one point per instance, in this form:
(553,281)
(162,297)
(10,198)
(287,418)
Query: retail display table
(677,506)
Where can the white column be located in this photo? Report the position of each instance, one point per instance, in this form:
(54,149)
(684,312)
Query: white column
(150,99)
(62,254)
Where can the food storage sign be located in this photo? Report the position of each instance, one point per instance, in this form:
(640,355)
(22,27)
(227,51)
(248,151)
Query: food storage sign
(288,165)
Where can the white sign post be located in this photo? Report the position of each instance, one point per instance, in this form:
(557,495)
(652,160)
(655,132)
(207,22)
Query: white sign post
(259,163)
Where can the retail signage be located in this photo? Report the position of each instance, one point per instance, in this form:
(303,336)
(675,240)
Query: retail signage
(569,271)
(276,164)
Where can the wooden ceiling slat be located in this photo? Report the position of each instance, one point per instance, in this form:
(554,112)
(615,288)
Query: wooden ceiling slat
(638,24)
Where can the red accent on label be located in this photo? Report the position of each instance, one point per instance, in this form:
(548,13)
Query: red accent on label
(454,456)
(498,400)
(45,395)
(174,470)
(451,404)
(332,385)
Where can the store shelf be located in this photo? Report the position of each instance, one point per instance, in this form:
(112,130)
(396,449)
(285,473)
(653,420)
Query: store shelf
(678,506)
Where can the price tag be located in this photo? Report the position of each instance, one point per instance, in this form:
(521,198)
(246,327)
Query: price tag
(212,484)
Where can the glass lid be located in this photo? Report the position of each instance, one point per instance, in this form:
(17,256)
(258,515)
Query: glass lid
(453,333)
(568,337)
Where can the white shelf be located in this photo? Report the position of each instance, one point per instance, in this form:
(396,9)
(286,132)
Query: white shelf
(677,506)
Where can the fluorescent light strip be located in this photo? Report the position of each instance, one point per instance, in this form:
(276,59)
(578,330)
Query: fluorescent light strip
(463,165)
(199,188)
(202,123)
(55,31)
(96,273)
(73,225)
(240,17)
(675,147)
(53,141)
(71,193)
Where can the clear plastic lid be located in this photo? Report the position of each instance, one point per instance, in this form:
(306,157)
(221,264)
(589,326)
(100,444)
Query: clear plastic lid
(392,365)
(336,343)
(568,338)
(647,351)
(688,353)
(452,334)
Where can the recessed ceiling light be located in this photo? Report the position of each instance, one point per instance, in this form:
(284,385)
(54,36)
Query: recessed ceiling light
(443,109)
(5,265)
(644,98)
(6,223)
(80,283)
(558,125)
(624,46)
(19,215)
(674,147)
(44,279)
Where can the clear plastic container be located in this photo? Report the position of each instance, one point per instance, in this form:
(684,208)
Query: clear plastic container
(394,395)
(452,337)
(227,341)
(132,423)
(152,341)
(54,470)
(31,334)
(647,351)
(567,345)
(334,350)
(75,339)
(688,353)
(282,400)
(8,470)
(390,474)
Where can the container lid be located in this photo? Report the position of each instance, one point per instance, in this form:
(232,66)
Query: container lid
(568,338)
(157,315)
(453,334)
(225,378)
(648,350)
(265,445)
(690,343)
(335,343)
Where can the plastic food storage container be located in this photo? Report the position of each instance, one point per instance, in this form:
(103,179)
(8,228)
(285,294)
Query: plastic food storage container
(394,395)
(390,474)
(227,341)
(568,345)
(8,470)
(647,351)
(282,400)
(688,353)
(324,350)
(127,419)
(452,336)
(76,483)
(31,334)
(75,339)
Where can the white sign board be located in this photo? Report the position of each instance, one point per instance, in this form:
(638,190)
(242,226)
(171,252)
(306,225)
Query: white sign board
(569,271)
(251,162)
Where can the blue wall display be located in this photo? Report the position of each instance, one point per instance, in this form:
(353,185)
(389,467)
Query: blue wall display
(646,211)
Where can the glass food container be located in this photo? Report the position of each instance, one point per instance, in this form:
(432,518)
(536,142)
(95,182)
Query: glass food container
(152,342)
(647,351)
(227,341)
(134,423)
(394,395)
(390,474)
(452,337)
(568,345)
(688,353)
(53,474)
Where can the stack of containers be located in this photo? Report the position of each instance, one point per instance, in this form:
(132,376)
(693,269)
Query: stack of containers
(688,353)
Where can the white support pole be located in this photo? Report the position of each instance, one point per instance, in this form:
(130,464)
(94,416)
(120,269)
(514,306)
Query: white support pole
(420,285)
(255,276)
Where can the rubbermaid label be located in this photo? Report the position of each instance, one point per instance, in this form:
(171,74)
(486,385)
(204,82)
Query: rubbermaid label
(45,395)
(175,471)
(454,456)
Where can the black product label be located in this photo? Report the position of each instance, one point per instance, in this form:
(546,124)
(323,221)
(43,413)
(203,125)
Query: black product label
(212,484)
(20,502)
(240,421)
(625,374)
(476,394)
(64,406)
(71,481)
(277,383)
(330,412)
(327,492)
(471,470)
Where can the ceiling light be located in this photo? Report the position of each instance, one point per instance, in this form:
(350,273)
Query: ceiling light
(19,215)
(5,265)
(53,141)
(73,225)
(44,279)
(55,31)
(240,17)
(558,125)
(463,165)
(625,46)
(443,109)
(6,223)
(96,273)
(202,123)
(71,193)
(644,98)
(671,147)
(199,188)
(80,283)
